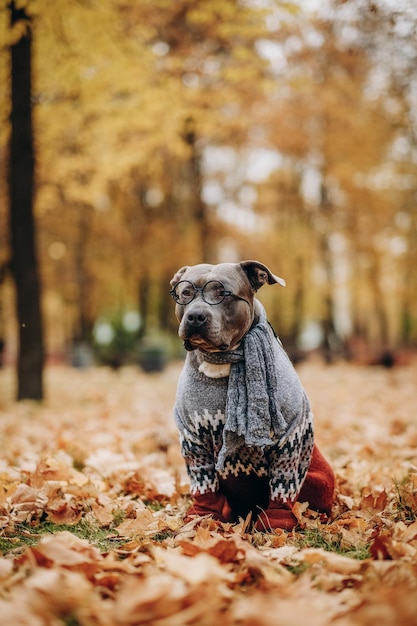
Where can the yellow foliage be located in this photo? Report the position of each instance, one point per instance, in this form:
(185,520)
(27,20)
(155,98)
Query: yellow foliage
(115,86)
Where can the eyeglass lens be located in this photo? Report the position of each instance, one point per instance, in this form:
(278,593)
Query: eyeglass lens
(213,292)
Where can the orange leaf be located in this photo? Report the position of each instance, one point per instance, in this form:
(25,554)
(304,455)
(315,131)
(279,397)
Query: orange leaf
(380,547)
(224,551)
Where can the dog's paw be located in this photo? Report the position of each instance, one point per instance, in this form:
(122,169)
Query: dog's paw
(319,484)
(211,503)
(273,518)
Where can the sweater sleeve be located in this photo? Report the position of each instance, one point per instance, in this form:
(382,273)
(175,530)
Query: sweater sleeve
(197,450)
(199,418)
(289,460)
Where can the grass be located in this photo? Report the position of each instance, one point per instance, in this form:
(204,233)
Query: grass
(25,535)
(154,505)
(71,620)
(405,505)
(331,542)
(17,542)
(105,539)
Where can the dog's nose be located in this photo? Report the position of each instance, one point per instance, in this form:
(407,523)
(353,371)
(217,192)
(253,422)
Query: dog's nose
(196,318)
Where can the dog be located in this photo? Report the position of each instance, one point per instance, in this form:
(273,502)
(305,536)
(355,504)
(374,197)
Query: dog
(244,419)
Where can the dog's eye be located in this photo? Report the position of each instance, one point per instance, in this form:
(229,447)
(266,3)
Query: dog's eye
(214,292)
(187,294)
(184,292)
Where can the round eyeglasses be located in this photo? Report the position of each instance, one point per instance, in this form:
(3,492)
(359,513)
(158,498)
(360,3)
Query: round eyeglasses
(213,292)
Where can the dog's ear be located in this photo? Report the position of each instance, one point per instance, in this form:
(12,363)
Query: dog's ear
(177,276)
(259,274)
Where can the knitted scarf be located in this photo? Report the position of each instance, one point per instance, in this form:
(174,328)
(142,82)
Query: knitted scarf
(252,408)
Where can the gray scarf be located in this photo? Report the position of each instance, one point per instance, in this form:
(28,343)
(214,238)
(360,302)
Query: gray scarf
(252,407)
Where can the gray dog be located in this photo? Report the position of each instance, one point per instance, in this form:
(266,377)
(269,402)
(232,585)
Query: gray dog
(245,424)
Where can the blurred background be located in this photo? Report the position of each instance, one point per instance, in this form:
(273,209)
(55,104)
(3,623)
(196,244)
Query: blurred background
(168,133)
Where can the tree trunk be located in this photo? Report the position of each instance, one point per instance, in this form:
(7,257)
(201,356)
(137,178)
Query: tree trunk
(85,323)
(299,297)
(200,211)
(144,293)
(379,302)
(330,339)
(22,225)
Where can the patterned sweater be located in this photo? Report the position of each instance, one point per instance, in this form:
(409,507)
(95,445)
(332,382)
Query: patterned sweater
(200,414)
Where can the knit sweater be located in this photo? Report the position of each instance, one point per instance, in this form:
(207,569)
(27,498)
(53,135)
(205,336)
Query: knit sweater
(216,446)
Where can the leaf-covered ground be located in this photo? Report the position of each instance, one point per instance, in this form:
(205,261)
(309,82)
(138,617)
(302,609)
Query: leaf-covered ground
(93,492)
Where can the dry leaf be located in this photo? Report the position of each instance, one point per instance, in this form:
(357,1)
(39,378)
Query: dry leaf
(172,574)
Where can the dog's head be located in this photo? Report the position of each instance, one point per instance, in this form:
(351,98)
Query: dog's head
(215,303)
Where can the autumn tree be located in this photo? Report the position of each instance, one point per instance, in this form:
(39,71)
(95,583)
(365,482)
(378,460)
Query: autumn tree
(128,129)
(172,78)
(336,133)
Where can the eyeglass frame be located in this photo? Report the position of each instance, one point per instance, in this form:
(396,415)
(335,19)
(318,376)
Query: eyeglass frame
(227,293)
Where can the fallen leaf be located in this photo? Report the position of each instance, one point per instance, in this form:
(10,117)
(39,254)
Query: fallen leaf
(118,431)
